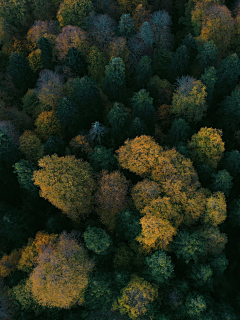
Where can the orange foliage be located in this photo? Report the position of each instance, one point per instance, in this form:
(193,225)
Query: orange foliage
(111,197)
(47,125)
(194,207)
(140,15)
(216,209)
(8,263)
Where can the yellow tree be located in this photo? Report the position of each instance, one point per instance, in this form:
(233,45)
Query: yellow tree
(136,296)
(47,125)
(139,155)
(194,207)
(207,146)
(31,146)
(111,197)
(61,274)
(8,263)
(216,209)
(67,183)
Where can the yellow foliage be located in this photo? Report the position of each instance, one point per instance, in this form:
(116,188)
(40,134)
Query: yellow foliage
(81,142)
(135,297)
(214,240)
(35,60)
(194,207)
(139,155)
(9,262)
(216,209)
(31,146)
(47,125)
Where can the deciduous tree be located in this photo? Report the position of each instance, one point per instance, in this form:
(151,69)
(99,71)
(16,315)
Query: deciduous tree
(97,240)
(31,146)
(47,125)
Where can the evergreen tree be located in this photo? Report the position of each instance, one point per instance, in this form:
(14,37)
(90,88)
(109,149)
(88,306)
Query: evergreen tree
(128,226)
(114,82)
(126,26)
(179,131)
(102,159)
(146,34)
(143,71)
(207,54)
(222,181)
(54,145)
(209,79)
(138,128)
(118,118)
(46,52)
(190,42)
(180,63)
(24,170)
(76,62)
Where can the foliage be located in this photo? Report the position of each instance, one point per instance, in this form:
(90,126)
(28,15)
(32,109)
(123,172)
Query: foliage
(143,71)
(117,117)
(31,146)
(207,146)
(146,34)
(80,146)
(47,125)
(179,131)
(214,240)
(30,102)
(97,60)
(73,13)
(126,26)
(127,225)
(180,62)
(24,170)
(8,263)
(139,155)
(97,240)
(35,60)
(114,82)
(54,145)
(222,181)
(136,296)
(97,131)
(40,29)
(195,305)
(111,197)
(102,159)
(67,183)
(189,100)
(76,62)
(208,54)
(209,79)
(46,52)
(159,267)
(61,274)
(67,111)
(201,274)
(231,161)
(138,128)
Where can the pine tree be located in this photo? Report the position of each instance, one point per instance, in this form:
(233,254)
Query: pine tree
(126,26)
(180,63)
(76,62)
(143,71)
(46,52)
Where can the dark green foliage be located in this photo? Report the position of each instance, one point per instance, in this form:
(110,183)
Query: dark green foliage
(143,71)
(97,240)
(160,268)
(207,54)
(180,63)
(4,60)
(180,131)
(143,108)
(46,52)
(222,181)
(67,111)
(54,145)
(118,118)
(209,78)
(138,128)
(204,173)
(195,305)
(190,42)
(188,246)
(76,62)
(20,71)
(128,226)
(114,85)
(234,213)
(126,26)
(201,274)
(24,170)
(231,161)
(161,61)
(219,264)
(102,159)
(121,279)
(30,102)
(227,74)
(100,292)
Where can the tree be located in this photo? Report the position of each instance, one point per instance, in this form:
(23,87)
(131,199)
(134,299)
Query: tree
(97,60)
(30,102)
(209,79)
(214,241)
(222,181)
(180,62)
(71,36)
(160,268)
(54,145)
(142,107)
(46,52)
(138,128)
(146,34)
(61,275)
(67,112)
(20,71)
(162,59)
(139,155)
(8,263)
(127,6)
(96,132)
(161,22)
(31,146)
(143,71)
(24,170)
(76,62)
(189,100)
(231,161)
(74,13)
(49,88)
(144,192)
(190,42)
(97,240)
(47,125)
(195,305)
(188,246)
(217,25)
(179,131)
(102,29)
(128,226)
(118,118)
(40,29)
(156,232)
(35,60)
(126,26)
(227,75)
(136,296)
(140,15)
(67,183)
(201,274)
(102,159)
(207,146)
(111,197)
(114,82)
(207,54)
(80,146)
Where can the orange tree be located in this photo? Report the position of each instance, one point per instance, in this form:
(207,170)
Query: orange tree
(67,183)
(48,124)
(61,274)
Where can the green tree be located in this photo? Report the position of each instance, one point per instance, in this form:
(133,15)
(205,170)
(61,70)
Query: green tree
(31,146)
(67,112)
(97,60)
(20,71)
(67,183)
(97,240)
(201,274)
(209,79)
(207,146)
(190,42)
(126,26)
(47,125)
(54,145)
(118,118)
(180,63)
(207,54)
(160,268)
(74,12)
(30,102)
(222,181)
(146,34)
(128,226)
(138,128)
(114,82)
(189,100)
(231,161)
(102,159)
(179,132)
(162,59)
(76,62)
(195,305)
(143,71)
(24,170)
(46,52)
